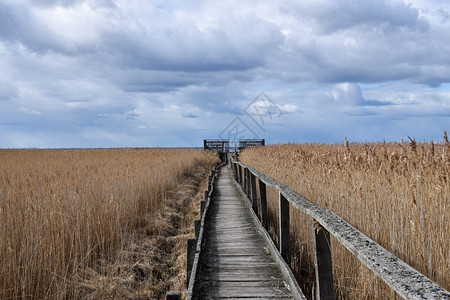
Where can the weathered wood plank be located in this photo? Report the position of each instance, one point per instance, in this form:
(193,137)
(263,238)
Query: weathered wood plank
(270,292)
(244,267)
(235,261)
(259,298)
(248,284)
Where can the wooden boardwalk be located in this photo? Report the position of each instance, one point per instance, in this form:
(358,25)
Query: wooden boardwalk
(235,262)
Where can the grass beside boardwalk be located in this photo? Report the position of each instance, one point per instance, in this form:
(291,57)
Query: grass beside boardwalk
(67,216)
(398,194)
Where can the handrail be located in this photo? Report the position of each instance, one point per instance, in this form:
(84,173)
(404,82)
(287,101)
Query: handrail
(194,245)
(199,239)
(401,277)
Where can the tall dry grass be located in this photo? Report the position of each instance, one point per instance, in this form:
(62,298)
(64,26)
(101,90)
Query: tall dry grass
(63,212)
(396,193)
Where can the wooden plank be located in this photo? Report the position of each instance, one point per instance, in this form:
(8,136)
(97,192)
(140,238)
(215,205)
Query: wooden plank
(235,261)
(259,298)
(268,292)
(252,284)
(244,267)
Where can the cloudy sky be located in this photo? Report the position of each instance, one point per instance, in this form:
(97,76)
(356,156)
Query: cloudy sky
(117,73)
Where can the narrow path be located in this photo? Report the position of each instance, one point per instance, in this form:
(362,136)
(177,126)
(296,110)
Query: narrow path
(235,262)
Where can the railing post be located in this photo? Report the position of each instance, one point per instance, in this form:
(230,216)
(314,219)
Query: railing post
(263,197)
(210,183)
(202,207)
(240,175)
(248,187)
(191,245)
(322,262)
(173,296)
(245,181)
(284,228)
(254,197)
(197,224)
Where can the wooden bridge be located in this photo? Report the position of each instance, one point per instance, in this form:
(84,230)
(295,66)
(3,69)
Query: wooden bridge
(236,261)
(232,255)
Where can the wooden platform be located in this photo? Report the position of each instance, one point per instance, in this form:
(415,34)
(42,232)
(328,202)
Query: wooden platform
(235,262)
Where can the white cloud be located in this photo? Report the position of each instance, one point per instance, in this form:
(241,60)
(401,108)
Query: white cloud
(327,17)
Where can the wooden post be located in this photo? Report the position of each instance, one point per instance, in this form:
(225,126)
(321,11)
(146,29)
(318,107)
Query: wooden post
(284,228)
(240,175)
(245,180)
(191,245)
(263,197)
(173,296)
(322,262)
(247,188)
(254,197)
(202,207)
(197,224)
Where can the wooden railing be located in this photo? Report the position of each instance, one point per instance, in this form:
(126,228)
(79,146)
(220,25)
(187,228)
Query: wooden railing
(402,278)
(194,245)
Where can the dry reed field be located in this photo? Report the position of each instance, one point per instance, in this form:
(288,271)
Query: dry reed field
(67,215)
(396,193)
